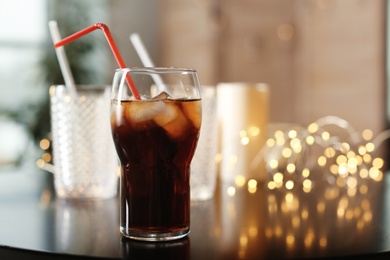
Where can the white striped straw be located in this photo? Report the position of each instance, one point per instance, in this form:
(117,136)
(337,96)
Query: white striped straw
(62,59)
(144,56)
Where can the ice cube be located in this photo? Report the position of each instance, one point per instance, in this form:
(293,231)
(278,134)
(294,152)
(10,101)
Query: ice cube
(193,111)
(172,120)
(161,96)
(141,111)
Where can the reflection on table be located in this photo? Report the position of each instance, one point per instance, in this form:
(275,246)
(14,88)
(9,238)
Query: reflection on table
(240,222)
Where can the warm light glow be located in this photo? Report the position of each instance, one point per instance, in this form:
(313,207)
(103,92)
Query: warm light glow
(367,216)
(367,158)
(370,147)
(280,141)
(367,134)
(310,140)
(290,240)
(289,185)
(252,183)
(231,191)
(363,173)
(363,189)
(340,181)
(286,152)
(349,214)
(243,240)
(325,136)
(309,238)
(273,164)
(334,169)
(296,221)
(306,189)
(351,183)
(305,214)
(357,212)
(218,157)
(343,170)
(278,177)
(351,154)
(254,131)
(292,134)
(346,162)
(320,207)
(271,185)
(291,167)
(312,128)
(330,152)
(252,189)
(362,150)
(252,186)
(240,180)
(378,163)
(307,184)
(340,212)
(351,192)
(306,172)
(279,134)
(270,142)
(345,147)
(373,173)
(252,231)
(341,159)
(278,231)
(295,144)
(245,140)
(323,242)
(289,197)
(321,161)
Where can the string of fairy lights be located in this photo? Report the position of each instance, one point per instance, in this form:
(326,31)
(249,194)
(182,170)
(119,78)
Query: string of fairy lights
(294,157)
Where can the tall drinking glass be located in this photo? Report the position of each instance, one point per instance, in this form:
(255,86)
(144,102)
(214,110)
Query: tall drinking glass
(155,139)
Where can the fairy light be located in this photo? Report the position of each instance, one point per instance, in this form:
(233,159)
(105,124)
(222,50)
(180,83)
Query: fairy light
(291,155)
(310,140)
(312,128)
(240,180)
(254,131)
(286,152)
(329,152)
(291,168)
(231,191)
(305,172)
(289,185)
(367,134)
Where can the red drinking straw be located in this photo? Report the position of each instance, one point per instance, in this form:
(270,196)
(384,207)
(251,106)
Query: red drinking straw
(113,47)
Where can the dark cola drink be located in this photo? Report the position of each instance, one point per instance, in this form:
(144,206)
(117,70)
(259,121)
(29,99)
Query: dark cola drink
(155,141)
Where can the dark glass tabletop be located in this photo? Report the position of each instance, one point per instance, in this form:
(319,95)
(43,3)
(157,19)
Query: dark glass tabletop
(238,223)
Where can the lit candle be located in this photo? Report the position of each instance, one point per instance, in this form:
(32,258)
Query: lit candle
(243,120)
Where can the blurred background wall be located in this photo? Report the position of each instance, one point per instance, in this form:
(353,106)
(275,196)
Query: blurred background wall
(320,57)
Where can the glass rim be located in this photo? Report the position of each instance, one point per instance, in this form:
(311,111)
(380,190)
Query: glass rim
(159,70)
(83,86)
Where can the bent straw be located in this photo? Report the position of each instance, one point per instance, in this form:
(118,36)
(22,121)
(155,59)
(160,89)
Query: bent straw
(62,59)
(112,45)
(144,56)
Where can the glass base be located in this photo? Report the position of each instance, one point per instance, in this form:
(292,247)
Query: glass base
(154,236)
